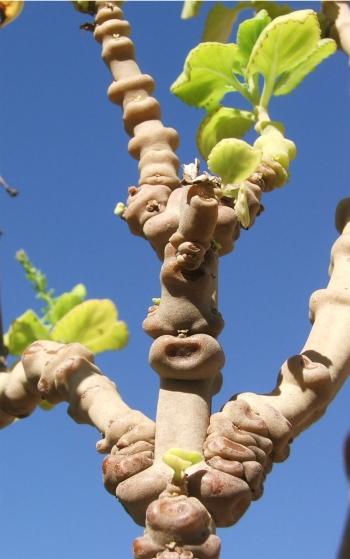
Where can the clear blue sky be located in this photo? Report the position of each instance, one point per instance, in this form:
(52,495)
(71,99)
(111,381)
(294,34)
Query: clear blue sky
(62,143)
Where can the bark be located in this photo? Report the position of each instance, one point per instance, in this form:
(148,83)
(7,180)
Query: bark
(308,382)
(57,373)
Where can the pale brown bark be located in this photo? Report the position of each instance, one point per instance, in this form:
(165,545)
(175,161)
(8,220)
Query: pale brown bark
(58,373)
(151,143)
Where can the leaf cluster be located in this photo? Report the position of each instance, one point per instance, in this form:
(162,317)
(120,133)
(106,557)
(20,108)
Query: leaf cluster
(67,318)
(271,57)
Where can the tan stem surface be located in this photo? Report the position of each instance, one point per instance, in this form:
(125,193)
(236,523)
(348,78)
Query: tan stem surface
(253,430)
(308,382)
(182,415)
(152,143)
(185,352)
(58,373)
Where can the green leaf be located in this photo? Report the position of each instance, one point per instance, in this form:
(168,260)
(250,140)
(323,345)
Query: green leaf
(190,8)
(223,123)
(80,291)
(273,9)
(94,324)
(289,80)
(282,45)
(219,23)
(34,275)
(25,330)
(65,302)
(248,33)
(207,75)
(120,209)
(179,460)
(234,160)
(191,455)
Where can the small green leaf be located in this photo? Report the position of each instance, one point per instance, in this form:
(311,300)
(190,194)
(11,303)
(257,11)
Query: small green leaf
(120,209)
(234,160)
(289,80)
(191,455)
(223,123)
(282,45)
(177,464)
(219,23)
(207,75)
(25,330)
(80,291)
(94,324)
(248,33)
(34,275)
(65,302)
(179,460)
(190,8)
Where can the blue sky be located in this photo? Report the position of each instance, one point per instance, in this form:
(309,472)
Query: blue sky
(63,145)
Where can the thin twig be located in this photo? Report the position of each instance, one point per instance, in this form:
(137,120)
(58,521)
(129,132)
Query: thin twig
(11,191)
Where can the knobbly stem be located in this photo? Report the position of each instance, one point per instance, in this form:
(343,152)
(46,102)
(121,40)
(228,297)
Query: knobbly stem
(58,373)
(189,223)
(189,227)
(152,143)
(308,382)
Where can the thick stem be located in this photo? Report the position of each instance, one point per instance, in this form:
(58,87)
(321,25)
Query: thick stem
(182,415)
(181,227)
(253,430)
(308,382)
(188,359)
(67,373)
